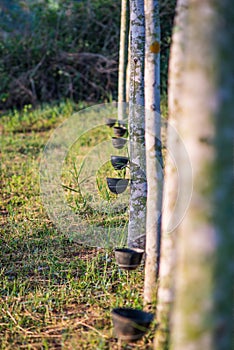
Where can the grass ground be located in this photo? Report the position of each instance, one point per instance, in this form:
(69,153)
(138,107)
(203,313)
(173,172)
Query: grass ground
(54,293)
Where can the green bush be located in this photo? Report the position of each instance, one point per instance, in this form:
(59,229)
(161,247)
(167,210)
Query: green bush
(53,49)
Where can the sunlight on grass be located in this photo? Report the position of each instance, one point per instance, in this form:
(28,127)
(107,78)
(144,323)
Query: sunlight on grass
(55,293)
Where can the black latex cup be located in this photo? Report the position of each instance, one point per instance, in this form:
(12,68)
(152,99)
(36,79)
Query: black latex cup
(110,122)
(119,162)
(130,324)
(117,185)
(128,259)
(118,142)
(119,131)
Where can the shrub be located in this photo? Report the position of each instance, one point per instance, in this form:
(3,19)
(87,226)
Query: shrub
(53,49)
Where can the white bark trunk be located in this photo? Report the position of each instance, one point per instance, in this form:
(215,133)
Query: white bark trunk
(153,147)
(128,69)
(138,189)
(203,312)
(122,60)
(171,213)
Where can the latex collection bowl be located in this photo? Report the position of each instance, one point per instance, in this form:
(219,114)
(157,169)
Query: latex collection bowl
(130,324)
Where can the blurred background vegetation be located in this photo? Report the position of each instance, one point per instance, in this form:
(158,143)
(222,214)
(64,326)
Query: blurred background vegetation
(58,49)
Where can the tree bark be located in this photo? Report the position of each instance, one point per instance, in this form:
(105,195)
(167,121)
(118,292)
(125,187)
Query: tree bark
(122,59)
(171,213)
(138,188)
(128,70)
(153,147)
(203,312)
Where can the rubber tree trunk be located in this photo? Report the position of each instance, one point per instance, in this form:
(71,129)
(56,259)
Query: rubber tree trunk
(128,70)
(138,189)
(153,147)
(122,58)
(171,215)
(203,312)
